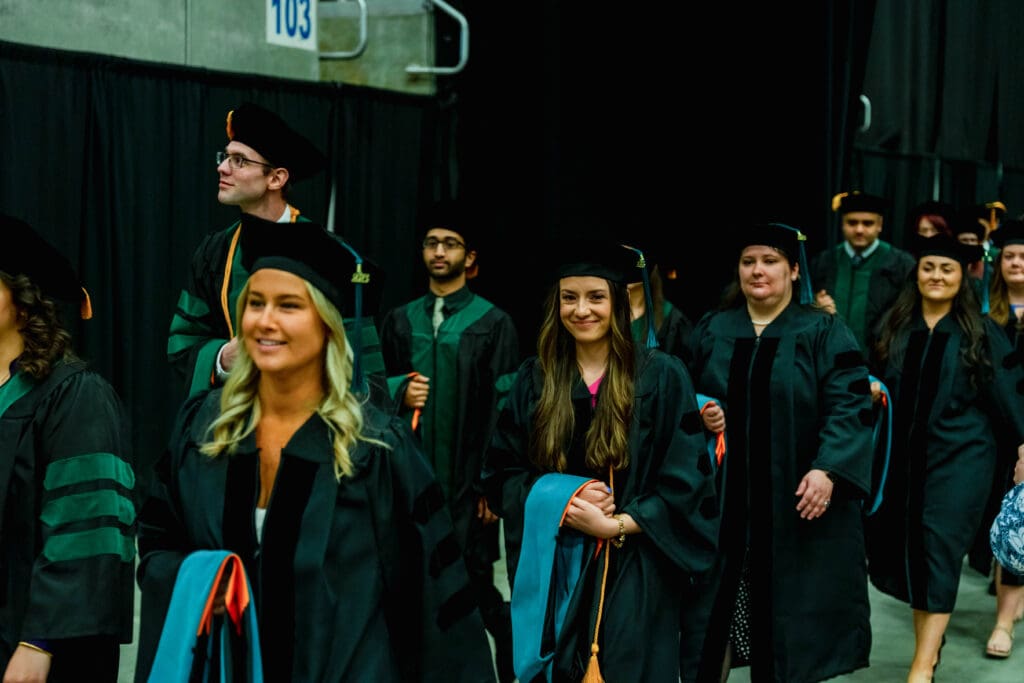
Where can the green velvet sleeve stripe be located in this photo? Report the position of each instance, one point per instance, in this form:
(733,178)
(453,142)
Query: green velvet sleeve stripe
(79,507)
(503,385)
(192,306)
(394,384)
(372,356)
(206,361)
(88,467)
(88,544)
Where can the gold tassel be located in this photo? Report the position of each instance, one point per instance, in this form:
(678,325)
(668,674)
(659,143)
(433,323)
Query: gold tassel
(593,674)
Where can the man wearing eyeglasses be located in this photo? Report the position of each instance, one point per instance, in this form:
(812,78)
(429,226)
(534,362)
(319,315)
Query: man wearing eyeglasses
(262,159)
(450,357)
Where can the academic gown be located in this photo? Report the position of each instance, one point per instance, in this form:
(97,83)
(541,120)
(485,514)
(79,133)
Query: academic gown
(980,556)
(672,336)
(358,580)
(796,398)
(668,488)
(67,519)
(470,364)
(943,460)
(199,328)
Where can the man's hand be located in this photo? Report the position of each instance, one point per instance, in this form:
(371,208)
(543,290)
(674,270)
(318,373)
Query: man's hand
(417,391)
(228,354)
(825,302)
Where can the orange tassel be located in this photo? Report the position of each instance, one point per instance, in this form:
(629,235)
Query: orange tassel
(593,674)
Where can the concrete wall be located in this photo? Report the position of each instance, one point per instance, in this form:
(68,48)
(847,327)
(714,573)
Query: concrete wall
(230,35)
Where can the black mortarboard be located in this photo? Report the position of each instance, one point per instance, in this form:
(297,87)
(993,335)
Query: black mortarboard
(305,249)
(26,253)
(1008,232)
(846,202)
(949,247)
(967,221)
(266,133)
(786,238)
(594,258)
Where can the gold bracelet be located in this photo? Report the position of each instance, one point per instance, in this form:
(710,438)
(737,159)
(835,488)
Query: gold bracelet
(36,648)
(617,542)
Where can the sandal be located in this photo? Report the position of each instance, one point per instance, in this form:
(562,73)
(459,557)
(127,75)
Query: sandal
(991,650)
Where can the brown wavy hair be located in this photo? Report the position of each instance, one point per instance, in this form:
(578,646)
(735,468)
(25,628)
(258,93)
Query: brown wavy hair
(607,439)
(46,341)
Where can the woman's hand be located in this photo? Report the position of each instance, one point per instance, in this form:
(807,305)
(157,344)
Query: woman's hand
(876,391)
(1018,470)
(600,495)
(27,666)
(714,417)
(588,518)
(815,491)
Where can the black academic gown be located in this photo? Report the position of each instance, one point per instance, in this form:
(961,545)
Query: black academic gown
(673,335)
(200,328)
(796,398)
(943,460)
(980,556)
(667,488)
(67,521)
(358,580)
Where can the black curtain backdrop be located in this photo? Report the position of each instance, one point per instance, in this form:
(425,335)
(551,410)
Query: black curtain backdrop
(944,82)
(113,161)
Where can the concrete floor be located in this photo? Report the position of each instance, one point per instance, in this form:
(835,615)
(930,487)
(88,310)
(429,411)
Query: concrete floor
(963,658)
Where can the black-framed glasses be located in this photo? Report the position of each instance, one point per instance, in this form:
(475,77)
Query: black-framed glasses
(237,161)
(448,243)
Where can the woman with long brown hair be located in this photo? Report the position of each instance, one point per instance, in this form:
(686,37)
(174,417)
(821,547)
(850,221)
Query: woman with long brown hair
(599,451)
(937,354)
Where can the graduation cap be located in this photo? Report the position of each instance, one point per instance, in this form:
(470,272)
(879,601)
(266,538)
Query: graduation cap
(592,257)
(949,247)
(26,253)
(848,202)
(266,133)
(349,281)
(990,212)
(966,221)
(1009,232)
(788,240)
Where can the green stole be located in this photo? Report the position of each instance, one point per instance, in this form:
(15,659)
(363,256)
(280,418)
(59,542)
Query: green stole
(852,288)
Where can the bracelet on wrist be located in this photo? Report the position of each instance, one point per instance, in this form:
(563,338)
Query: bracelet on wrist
(617,542)
(35,647)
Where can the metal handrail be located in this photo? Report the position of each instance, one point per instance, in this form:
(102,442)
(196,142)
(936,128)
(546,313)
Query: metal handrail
(463,45)
(361,47)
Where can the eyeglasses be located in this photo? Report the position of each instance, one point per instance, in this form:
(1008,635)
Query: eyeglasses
(237,161)
(448,243)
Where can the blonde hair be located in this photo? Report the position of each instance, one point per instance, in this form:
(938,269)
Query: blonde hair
(340,409)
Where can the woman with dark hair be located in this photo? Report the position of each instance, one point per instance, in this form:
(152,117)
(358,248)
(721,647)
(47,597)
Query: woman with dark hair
(788,594)
(937,355)
(67,499)
(599,469)
(327,500)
